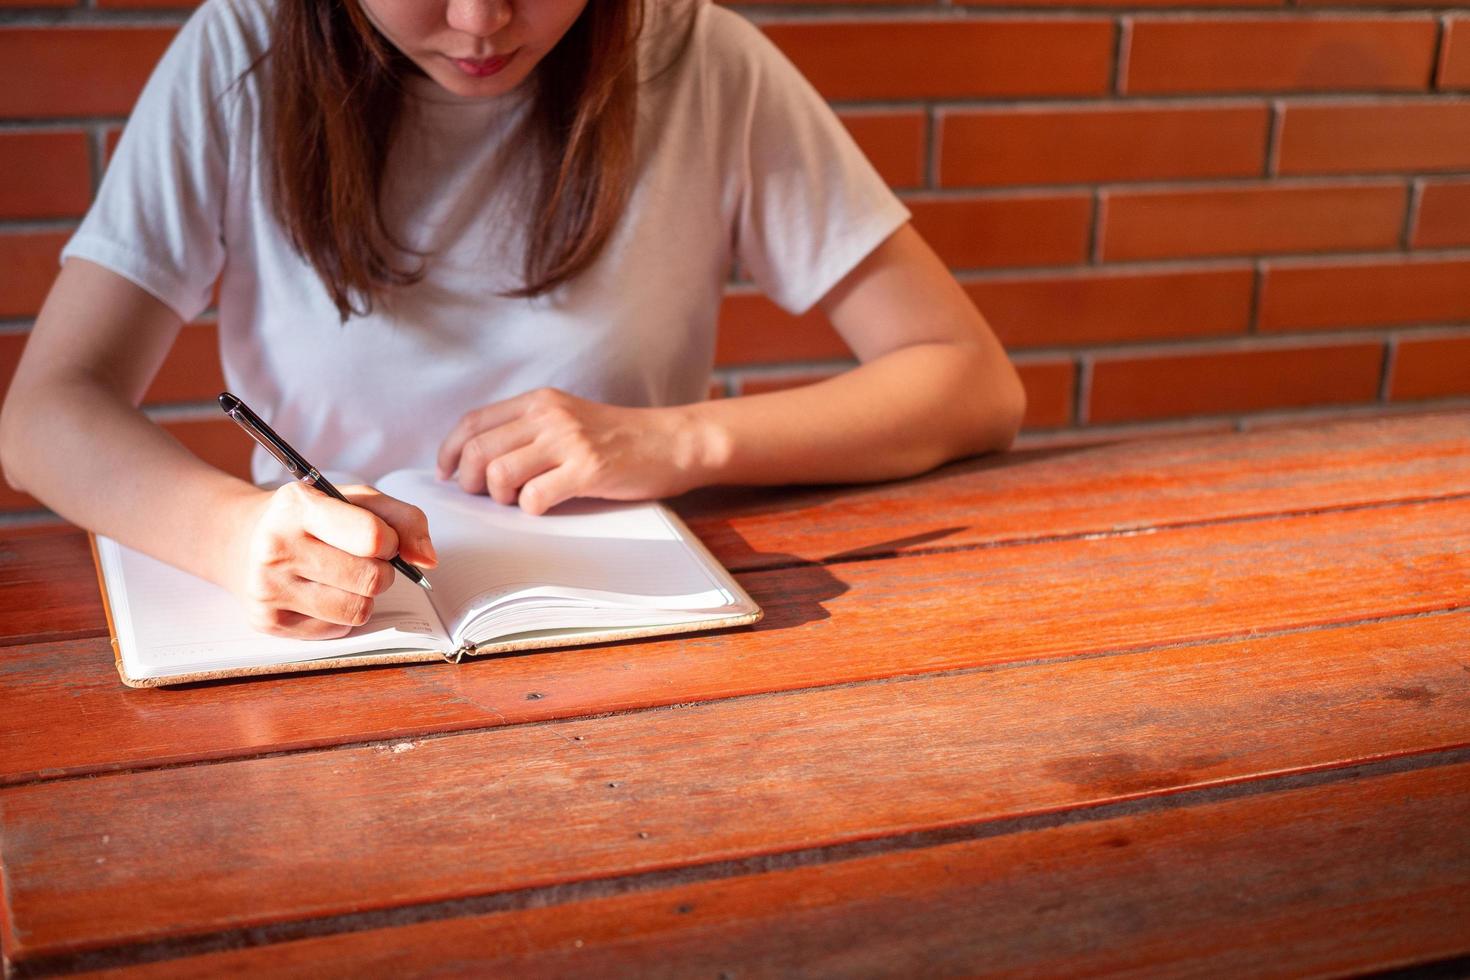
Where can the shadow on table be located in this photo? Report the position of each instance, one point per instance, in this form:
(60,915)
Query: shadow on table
(793,590)
(708,504)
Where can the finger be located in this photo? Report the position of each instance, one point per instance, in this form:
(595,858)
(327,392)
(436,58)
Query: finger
(346,527)
(321,563)
(550,488)
(294,625)
(472,424)
(407,521)
(477,470)
(327,604)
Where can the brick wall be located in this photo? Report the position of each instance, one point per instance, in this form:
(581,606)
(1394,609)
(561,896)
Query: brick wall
(1177,215)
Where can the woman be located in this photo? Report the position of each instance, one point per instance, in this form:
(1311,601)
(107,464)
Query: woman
(487,236)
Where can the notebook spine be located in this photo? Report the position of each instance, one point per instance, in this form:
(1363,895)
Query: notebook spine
(465,649)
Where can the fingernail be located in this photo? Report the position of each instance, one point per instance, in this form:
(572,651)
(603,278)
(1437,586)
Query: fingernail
(426,548)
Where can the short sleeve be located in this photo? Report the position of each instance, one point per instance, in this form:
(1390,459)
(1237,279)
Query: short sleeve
(158,216)
(811,205)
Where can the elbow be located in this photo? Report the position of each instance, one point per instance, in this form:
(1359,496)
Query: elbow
(998,401)
(10,450)
(1008,410)
(23,429)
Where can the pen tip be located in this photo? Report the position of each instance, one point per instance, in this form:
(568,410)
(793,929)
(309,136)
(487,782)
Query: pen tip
(425,583)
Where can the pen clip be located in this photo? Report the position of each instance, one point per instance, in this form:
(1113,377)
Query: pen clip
(293,466)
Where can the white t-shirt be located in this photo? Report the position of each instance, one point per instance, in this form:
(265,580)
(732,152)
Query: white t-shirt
(737,158)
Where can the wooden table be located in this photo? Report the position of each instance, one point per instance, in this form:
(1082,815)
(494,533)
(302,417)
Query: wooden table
(1195,706)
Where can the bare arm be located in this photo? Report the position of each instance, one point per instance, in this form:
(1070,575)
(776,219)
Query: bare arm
(71,434)
(934,385)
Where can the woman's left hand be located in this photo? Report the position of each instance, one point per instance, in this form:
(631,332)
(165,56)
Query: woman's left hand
(546,446)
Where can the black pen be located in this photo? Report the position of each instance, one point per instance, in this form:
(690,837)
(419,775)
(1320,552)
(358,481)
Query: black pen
(297,465)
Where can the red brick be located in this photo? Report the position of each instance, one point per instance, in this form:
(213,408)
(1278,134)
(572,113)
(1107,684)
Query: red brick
(219,442)
(11,344)
(1001,147)
(1105,307)
(1454,56)
(1306,297)
(191,372)
(1246,220)
(110,136)
(44,175)
(1376,138)
(1049,388)
(893,141)
(30,263)
(939,59)
(753,330)
(1438,368)
(76,71)
(15,500)
(1175,385)
(1444,215)
(1007,232)
(1297,54)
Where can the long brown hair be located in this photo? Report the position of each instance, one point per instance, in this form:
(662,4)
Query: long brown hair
(336,88)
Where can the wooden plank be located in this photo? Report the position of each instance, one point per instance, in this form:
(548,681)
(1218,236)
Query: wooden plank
(824,625)
(1092,489)
(1347,877)
(142,856)
(50,591)
(1021,496)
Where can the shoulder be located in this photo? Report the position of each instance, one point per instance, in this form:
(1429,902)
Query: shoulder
(226,38)
(699,34)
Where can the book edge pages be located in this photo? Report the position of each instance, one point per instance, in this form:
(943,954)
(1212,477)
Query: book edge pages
(295,667)
(617,635)
(726,579)
(117,659)
(745,612)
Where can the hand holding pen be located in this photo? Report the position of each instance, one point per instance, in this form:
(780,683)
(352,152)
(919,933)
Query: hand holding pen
(316,561)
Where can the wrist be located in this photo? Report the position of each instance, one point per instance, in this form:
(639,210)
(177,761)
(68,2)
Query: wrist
(238,508)
(701,446)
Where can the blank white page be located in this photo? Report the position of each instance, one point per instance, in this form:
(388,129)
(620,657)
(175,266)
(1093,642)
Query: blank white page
(170,622)
(613,554)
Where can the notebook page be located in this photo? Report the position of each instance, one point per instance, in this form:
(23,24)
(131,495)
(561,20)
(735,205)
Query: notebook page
(605,554)
(170,622)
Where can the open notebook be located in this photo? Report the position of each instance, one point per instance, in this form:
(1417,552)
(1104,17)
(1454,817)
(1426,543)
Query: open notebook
(587,572)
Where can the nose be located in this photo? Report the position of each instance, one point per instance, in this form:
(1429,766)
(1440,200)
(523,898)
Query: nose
(482,18)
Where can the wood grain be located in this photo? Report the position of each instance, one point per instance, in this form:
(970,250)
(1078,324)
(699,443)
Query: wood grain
(48,592)
(202,849)
(824,625)
(1093,489)
(1022,496)
(1347,877)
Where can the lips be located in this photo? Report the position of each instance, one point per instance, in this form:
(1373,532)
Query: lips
(482,67)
